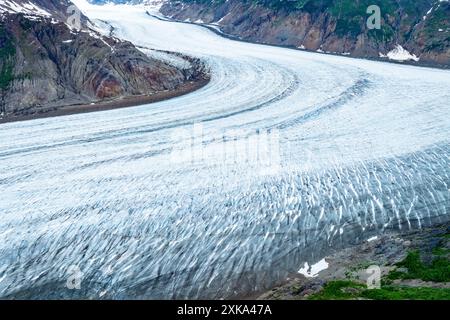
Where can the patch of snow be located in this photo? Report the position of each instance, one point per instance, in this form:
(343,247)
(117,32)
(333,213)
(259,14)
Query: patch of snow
(99,26)
(221,19)
(372,238)
(302,47)
(399,54)
(167,58)
(27,8)
(67,41)
(313,271)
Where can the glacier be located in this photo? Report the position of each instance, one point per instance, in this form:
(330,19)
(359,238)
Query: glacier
(364,148)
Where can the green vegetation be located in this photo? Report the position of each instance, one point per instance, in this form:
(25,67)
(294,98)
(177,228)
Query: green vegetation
(398,18)
(440,251)
(349,8)
(339,290)
(440,19)
(412,267)
(7,54)
(26,24)
(350,15)
(385,34)
(348,27)
(437,271)
(338,8)
(347,289)
(6,74)
(6,44)
(407,293)
(436,40)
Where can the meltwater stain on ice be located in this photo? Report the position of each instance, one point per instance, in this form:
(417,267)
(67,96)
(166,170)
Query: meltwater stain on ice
(313,270)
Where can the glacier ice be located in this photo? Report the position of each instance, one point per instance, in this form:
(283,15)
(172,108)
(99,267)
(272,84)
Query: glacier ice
(364,148)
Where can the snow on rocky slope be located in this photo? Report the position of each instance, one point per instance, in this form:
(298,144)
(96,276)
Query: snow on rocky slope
(25,7)
(48,63)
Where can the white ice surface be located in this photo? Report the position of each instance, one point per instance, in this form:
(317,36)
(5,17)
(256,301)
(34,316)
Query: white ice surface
(363,146)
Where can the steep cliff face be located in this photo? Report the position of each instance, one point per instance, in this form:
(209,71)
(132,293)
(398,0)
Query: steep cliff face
(418,31)
(45,65)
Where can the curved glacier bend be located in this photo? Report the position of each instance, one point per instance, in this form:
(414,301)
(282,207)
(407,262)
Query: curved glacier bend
(363,148)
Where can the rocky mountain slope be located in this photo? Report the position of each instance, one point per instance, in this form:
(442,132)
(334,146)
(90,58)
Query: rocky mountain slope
(418,31)
(413,265)
(58,9)
(46,64)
